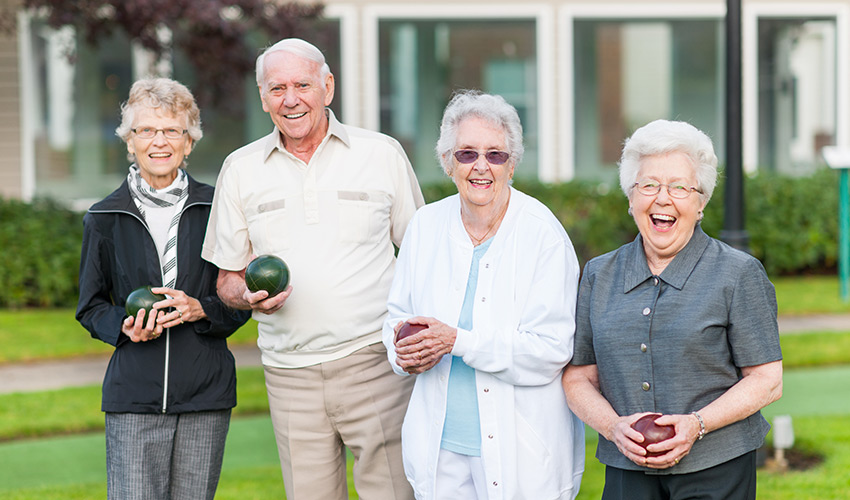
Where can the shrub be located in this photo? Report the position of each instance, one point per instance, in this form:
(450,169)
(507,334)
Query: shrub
(41,254)
(792,224)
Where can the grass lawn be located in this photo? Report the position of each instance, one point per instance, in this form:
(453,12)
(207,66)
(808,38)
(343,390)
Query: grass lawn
(30,334)
(809,295)
(29,415)
(73,466)
(54,333)
(51,442)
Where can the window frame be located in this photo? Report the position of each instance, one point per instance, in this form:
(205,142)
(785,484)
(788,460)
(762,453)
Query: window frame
(751,13)
(543,18)
(141,63)
(567,17)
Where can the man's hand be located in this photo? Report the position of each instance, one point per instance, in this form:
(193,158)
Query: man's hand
(234,292)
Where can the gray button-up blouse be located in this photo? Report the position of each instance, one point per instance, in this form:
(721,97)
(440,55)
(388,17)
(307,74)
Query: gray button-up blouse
(674,343)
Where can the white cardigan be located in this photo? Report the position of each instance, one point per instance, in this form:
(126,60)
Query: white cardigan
(532,446)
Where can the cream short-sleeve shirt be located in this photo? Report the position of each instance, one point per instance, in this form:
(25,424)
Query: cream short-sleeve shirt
(333,220)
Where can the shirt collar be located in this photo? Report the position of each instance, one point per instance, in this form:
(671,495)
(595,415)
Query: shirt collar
(274,141)
(677,271)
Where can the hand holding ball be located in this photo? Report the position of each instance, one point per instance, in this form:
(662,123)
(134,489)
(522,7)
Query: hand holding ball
(268,273)
(141,298)
(652,432)
(408,329)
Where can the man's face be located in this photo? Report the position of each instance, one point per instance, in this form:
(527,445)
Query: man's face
(295,97)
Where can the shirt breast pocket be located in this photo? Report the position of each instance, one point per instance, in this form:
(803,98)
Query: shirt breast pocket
(363,215)
(268,228)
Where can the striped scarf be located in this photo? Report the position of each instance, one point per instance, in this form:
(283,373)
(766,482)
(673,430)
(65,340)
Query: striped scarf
(174,195)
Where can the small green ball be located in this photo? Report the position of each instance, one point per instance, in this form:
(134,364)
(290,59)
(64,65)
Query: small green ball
(269,273)
(142,298)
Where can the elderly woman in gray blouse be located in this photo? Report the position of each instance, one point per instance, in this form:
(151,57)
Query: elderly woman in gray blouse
(679,324)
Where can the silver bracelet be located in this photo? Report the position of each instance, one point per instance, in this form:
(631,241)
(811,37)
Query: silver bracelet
(701,425)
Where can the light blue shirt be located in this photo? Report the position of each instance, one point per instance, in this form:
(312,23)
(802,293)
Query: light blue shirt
(462,431)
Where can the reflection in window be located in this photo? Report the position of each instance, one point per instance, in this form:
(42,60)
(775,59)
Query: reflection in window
(628,73)
(423,61)
(77,108)
(797,93)
(77,154)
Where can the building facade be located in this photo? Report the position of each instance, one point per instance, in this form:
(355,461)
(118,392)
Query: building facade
(583,76)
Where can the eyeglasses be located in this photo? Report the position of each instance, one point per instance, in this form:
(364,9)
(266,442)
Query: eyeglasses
(150,132)
(493,157)
(676,190)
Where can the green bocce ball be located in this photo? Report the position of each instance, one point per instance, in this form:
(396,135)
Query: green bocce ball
(269,273)
(141,298)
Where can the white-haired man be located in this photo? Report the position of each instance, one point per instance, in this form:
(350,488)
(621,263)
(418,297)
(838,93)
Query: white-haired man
(330,200)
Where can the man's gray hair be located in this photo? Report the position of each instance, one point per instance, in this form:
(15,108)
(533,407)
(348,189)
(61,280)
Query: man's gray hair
(297,47)
(662,137)
(492,108)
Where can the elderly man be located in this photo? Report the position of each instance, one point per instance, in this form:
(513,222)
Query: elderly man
(330,200)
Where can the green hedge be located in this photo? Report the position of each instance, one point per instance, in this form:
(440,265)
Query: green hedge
(40,244)
(792,223)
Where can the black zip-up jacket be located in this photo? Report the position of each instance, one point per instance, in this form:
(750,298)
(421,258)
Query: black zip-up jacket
(189,368)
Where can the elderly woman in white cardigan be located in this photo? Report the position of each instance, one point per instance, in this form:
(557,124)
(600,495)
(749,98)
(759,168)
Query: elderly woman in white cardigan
(492,275)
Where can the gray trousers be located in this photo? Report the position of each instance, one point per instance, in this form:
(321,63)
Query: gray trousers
(164,457)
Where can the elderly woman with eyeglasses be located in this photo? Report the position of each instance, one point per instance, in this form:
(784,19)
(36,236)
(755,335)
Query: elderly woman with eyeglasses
(171,382)
(492,276)
(678,324)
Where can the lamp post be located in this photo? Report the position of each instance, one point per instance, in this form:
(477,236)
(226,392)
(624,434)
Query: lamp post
(733,232)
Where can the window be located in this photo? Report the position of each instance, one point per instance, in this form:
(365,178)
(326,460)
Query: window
(75,108)
(77,154)
(421,62)
(796,92)
(628,73)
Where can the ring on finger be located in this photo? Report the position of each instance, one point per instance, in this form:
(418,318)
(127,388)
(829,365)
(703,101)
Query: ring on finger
(676,460)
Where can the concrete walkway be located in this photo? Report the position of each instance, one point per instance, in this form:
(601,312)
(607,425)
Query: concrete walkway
(88,370)
(56,374)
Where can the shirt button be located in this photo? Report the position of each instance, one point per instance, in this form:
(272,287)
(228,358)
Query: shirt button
(486,389)
(655,281)
(364,196)
(643,348)
(495,483)
(646,311)
(645,386)
(483,299)
(490,436)
(486,266)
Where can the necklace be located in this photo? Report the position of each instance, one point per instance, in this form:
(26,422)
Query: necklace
(476,240)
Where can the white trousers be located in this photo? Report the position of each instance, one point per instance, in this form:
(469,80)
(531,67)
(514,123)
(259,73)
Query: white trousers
(460,476)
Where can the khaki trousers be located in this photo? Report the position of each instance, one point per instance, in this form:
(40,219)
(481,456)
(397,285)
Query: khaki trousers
(317,411)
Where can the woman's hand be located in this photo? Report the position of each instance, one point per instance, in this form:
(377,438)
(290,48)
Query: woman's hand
(137,330)
(185,308)
(627,439)
(422,351)
(674,449)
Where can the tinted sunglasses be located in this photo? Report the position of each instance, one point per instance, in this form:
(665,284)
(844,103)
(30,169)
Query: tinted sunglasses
(493,157)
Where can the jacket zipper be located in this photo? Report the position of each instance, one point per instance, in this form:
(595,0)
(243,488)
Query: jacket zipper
(168,331)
